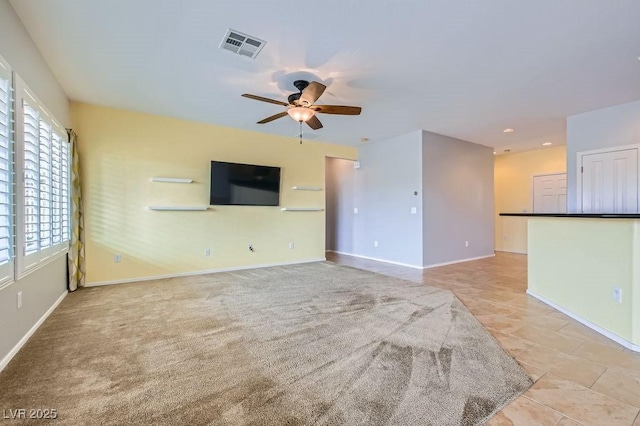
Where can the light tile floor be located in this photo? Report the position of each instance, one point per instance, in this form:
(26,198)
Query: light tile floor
(580,376)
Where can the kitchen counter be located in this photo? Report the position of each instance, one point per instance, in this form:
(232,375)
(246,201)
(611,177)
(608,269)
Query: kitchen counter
(588,267)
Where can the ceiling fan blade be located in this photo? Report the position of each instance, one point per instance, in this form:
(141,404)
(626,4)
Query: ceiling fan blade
(260,98)
(314,123)
(312,92)
(273,117)
(337,109)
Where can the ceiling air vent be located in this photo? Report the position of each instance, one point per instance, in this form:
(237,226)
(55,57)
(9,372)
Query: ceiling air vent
(242,44)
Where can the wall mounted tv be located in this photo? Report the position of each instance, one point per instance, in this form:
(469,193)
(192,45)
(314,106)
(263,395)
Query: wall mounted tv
(244,184)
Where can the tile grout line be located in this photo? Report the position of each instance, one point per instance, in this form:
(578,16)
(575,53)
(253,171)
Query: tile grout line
(562,415)
(599,377)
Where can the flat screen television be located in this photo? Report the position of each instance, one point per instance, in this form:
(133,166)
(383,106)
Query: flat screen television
(244,184)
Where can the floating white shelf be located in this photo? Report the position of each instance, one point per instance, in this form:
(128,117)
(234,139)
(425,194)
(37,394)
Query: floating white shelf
(302,209)
(170,180)
(306,188)
(183,208)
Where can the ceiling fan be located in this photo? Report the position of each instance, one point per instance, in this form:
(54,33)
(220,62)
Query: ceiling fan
(301,105)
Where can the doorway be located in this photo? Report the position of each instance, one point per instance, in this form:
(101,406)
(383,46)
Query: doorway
(339,202)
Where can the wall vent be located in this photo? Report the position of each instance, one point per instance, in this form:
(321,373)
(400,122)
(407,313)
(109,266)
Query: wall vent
(242,44)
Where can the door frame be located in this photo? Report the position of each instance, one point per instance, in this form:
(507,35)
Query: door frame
(535,175)
(581,154)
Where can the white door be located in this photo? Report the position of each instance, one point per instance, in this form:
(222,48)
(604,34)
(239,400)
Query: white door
(550,193)
(610,182)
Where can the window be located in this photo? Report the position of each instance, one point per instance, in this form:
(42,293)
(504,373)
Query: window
(42,155)
(6,187)
(34,207)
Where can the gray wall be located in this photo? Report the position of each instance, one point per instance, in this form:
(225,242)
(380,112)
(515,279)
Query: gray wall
(340,194)
(24,57)
(390,171)
(43,287)
(458,199)
(605,128)
(40,289)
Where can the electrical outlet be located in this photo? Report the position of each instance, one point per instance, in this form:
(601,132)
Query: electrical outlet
(207,252)
(414,210)
(291,246)
(117,258)
(355,210)
(19,299)
(617,294)
(375,243)
(466,243)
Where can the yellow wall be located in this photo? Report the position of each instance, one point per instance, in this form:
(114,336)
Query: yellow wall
(121,150)
(513,179)
(576,263)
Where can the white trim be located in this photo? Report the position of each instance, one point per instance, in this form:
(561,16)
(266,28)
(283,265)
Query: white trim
(512,251)
(377,259)
(579,166)
(201,272)
(469,259)
(302,209)
(181,208)
(30,333)
(408,265)
(627,344)
(306,188)
(170,180)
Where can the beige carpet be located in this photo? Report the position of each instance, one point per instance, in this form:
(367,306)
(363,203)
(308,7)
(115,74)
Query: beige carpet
(308,344)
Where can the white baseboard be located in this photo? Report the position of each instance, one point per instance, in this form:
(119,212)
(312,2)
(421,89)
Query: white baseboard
(624,342)
(511,251)
(201,272)
(409,265)
(376,259)
(459,261)
(5,361)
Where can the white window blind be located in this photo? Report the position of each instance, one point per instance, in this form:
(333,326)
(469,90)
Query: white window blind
(6,177)
(31,178)
(43,154)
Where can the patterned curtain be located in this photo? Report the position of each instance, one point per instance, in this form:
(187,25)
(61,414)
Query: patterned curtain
(76,249)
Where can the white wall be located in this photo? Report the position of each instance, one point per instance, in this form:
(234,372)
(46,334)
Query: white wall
(390,171)
(604,128)
(458,199)
(43,287)
(340,193)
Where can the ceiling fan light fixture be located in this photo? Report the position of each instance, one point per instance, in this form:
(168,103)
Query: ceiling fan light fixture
(301,113)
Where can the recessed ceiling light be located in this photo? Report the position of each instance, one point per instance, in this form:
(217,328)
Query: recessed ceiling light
(546,144)
(509,130)
(494,153)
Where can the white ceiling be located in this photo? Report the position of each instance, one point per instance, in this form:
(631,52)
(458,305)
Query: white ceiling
(463,68)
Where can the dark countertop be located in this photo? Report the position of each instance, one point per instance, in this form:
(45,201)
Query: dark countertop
(586,215)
